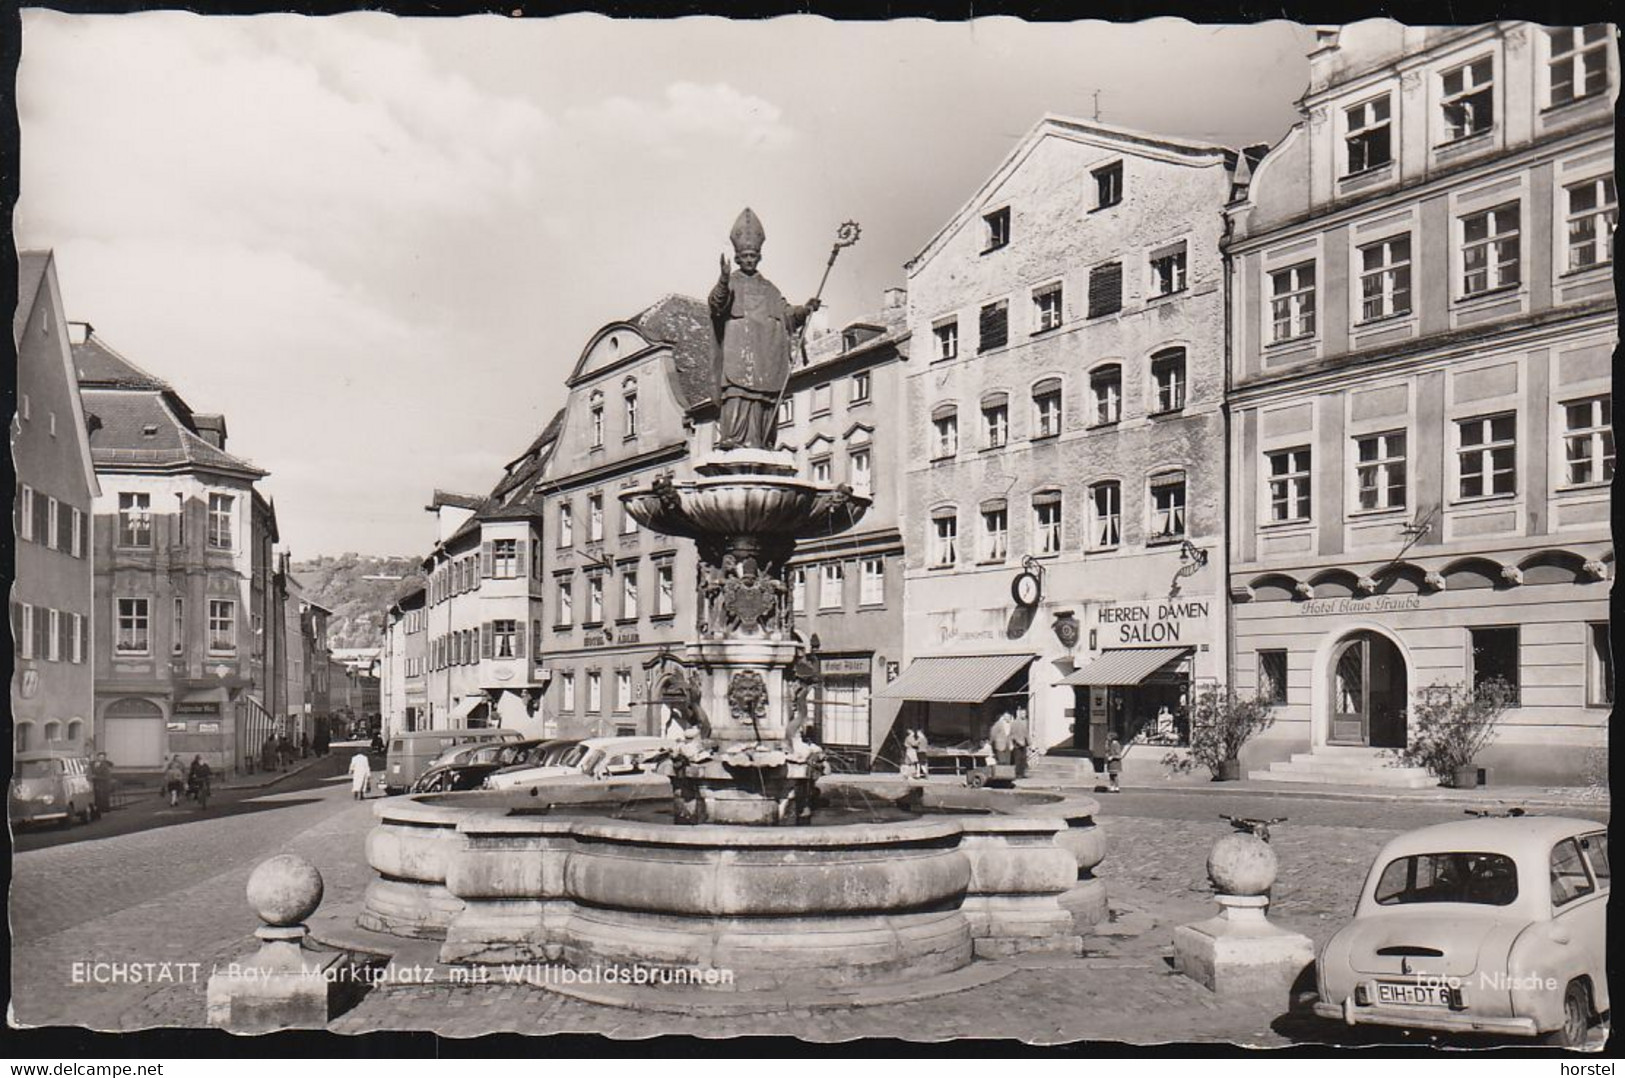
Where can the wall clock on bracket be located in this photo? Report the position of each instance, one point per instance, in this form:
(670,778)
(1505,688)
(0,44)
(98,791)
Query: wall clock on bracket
(1026,589)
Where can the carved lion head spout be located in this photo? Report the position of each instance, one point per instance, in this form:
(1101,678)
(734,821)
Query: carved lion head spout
(747,696)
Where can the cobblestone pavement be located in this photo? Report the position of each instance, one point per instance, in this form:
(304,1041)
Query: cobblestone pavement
(177,895)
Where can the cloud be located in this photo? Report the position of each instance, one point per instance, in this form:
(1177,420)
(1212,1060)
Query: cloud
(685,114)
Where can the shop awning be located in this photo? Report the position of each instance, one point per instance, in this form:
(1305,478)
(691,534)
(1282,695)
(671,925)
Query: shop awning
(955,679)
(466,707)
(1124,666)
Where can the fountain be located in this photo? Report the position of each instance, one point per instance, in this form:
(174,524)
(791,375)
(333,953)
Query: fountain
(743,856)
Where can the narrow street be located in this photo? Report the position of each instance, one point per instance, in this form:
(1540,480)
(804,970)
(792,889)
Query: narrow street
(172,892)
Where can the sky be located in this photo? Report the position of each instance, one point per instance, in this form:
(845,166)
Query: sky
(378,245)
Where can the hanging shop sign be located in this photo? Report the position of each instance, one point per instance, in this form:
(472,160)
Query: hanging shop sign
(847,667)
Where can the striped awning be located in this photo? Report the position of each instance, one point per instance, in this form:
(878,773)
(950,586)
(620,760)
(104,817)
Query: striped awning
(955,679)
(1124,666)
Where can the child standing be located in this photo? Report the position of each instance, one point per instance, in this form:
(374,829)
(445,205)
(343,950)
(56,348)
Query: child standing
(1114,763)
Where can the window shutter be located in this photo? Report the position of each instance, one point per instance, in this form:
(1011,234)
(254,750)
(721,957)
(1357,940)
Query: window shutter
(42,633)
(521,570)
(519,640)
(486,562)
(486,647)
(1105,289)
(64,637)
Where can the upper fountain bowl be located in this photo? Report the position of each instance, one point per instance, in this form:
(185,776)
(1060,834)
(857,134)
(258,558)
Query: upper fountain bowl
(738,497)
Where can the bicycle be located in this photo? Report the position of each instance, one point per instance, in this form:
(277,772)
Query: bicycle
(199,792)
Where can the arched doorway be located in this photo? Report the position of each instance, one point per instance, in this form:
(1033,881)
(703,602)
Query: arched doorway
(133,733)
(1369,692)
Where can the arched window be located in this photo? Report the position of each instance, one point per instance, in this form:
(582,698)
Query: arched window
(1106,395)
(1047,408)
(76,729)
(25,736)
(53,731)
(1047,533)
(944,537)
(1105,515)
(993,542)
(1167,507)
(1168,380)
(944,431)
(995,419)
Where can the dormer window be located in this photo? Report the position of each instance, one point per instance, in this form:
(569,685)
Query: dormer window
(996,229)
(150,430)
(1368,139)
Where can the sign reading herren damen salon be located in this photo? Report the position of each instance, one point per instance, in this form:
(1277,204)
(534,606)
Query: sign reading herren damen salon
(1153,623)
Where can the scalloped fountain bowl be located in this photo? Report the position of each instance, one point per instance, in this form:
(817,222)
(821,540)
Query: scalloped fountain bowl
(892,882)
(745,504)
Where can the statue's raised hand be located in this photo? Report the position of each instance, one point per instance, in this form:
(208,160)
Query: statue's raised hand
(722,261)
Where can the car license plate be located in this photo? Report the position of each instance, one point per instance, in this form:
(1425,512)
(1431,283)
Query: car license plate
(1412,995)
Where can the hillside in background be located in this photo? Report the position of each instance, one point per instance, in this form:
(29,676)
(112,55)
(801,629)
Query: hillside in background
(357,588)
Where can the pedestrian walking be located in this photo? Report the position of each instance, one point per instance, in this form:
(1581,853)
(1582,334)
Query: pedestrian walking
(1114,764)
(101,782)
(197,781)
(268,754)
(304,745)
(1000,736)
(174,780)
(377,744)
(360,775)
(1020,741)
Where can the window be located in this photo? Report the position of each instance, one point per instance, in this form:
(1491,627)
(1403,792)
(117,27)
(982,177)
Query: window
(798,591)
(623,690)
(665,590)
(595,599)
(1593,214)
(1368,135)
(134,520)
(1495,655)
(79,636)
(1578,67)
(564,600)
(631,401)
(995,544)
(831,584)
(78,533)
(997,232)
(177,643)
(1469,99)
(1292,302)
(1167,507)
(1379,470)
(567,524)
(25,630)
(42,632)
(1168,271)
(1599,666)
(821,470)
(1570,880)
(1168,379)
(861,470)
(1289,484)
(504,558)
(821,397)
(945,434)
(629,523)
(1488,455)
(946,336)
(1484,879)
(595,518)
(994,326)
(1047,308)
(567,692)
(133,630)
(1105,515)
(1108,185)
(1489,250)
(995,424)
(629,594)
(1047,522)
(787,411)
(873,584)
(1106,393)
(1047,408)
(860,387)
(25,511)
(222,625)
(1105,289)
(53,637)
(1385,278)
(42,516)
(1272,676)
(1588,441)
(595,691)
(220,511)
(505,639)
(596,420)
(945,540)
(53,526)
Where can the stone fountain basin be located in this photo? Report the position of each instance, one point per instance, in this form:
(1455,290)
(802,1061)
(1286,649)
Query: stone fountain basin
(555,877)
(727,505)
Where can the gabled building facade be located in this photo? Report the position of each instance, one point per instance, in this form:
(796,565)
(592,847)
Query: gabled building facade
(1421,395)
(52,593)
(1063,476)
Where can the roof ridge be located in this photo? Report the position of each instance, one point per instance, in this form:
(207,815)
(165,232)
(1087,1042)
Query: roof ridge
(101,342)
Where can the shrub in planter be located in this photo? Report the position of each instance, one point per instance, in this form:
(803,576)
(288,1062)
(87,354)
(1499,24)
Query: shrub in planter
(1221,723)
(1451,723)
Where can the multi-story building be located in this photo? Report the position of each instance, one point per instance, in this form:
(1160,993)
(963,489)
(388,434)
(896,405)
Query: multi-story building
(268,663)
(613,591)
(1063,481)
(175,540)
(843,414)
(313,619)
(1421,438)
(53,675)
(401,687)
(294,712)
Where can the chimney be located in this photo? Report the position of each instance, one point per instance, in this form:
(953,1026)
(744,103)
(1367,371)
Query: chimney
(212,428)
(894,299)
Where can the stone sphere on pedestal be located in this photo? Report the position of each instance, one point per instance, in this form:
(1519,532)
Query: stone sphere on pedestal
(1241,864)
(285,890)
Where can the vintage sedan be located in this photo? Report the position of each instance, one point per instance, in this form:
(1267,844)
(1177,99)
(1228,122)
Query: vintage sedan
(1492,925)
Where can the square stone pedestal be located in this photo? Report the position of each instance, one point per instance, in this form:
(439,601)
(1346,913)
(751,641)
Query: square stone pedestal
(1239,953)
(287,984)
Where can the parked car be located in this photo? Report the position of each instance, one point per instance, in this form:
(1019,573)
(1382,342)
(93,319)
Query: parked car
(411,752)
(1491,925)
(600,757)
(51,785)
(503,753)
(445,778)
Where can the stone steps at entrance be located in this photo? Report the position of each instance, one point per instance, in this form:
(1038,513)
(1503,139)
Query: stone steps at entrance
(1345,765)
(1061,768)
